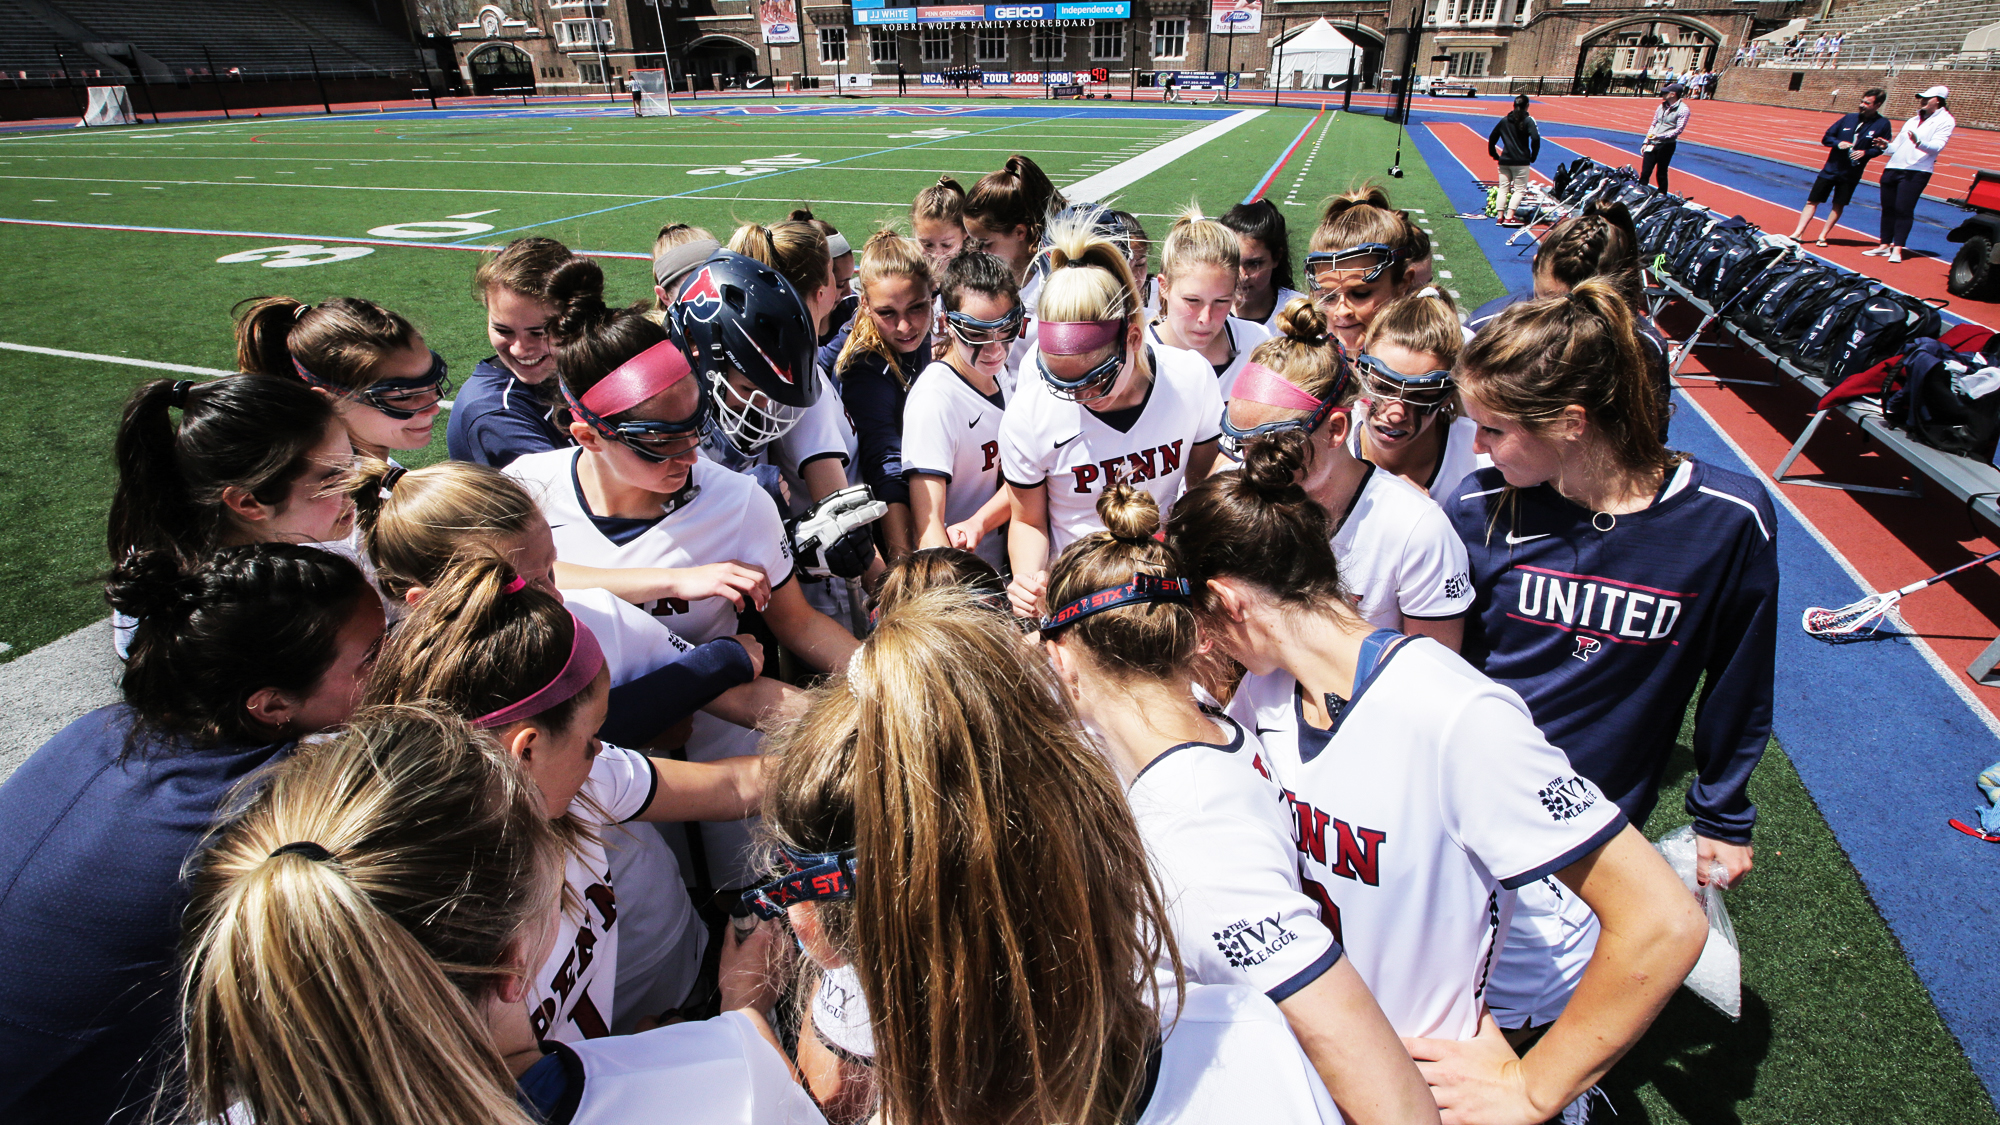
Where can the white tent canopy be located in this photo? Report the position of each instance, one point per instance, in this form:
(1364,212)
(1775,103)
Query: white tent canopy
(1318,52)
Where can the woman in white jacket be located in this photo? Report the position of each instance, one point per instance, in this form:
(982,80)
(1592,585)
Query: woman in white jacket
(1912,157)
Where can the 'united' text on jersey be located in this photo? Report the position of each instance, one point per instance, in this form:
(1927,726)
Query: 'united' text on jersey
(1618,611)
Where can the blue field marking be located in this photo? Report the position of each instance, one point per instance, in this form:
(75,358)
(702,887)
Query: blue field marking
(1886,747)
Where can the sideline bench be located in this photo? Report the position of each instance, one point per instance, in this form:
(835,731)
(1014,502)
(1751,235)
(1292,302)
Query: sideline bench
(1974,482)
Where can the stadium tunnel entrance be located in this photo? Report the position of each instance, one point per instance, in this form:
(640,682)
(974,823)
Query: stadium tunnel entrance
(715,62)
(498,66)
(1627,56)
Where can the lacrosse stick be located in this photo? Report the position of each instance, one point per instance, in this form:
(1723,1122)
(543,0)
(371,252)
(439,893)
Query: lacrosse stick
(1849,621)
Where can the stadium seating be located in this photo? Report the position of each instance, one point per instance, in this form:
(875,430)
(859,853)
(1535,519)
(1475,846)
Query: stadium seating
(263,40)
(1923,30)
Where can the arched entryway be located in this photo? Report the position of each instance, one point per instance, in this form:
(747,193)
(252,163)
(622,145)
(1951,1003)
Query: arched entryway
(1631,56)
(497,66)
(717,61)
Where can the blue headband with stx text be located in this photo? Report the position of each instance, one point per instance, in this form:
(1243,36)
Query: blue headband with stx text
(1142,588)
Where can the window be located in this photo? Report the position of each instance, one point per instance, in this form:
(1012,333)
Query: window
(1107,41)
(590,72)
(1520,11)
(832,44)
(1469,64)
(584,33)
(1046,45)
(992,44)
(937,45)
(881,45)
(1169,39)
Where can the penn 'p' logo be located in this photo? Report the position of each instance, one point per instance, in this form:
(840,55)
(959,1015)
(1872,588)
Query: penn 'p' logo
(1586,647)
(701,297)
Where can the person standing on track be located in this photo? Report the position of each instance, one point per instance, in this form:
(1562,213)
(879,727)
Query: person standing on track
(1851,142)
(1669,122)
(1912,157)
(1516,143)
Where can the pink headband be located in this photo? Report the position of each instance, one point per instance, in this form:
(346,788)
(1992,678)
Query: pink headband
(1258,383)
(1076,337)
(636,380)
(586,657)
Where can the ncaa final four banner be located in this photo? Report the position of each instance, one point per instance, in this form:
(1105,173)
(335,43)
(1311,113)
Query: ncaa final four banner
(1235,17)
(780,20)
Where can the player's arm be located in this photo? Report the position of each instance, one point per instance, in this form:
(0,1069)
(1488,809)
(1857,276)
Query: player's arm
(927,496)
(744,585)
(875,403)
(1449,632)
(1356,1052)
(991,516)
(1028,546)
(812,635)
(753,704)
(823,476)
(1652,934)
(1202,459)
(1732,722)
(729,789)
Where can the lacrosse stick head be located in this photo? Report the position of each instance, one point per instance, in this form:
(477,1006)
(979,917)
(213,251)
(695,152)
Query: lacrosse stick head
(1858,621)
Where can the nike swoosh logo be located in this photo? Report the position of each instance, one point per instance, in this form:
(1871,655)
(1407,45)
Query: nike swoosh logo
(1262,731)
(1513,538)
(1069,439)
(974,422)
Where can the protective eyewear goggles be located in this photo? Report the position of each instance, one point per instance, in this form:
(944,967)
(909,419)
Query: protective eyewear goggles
(1234,439)
(1371,258)
(660,442)
(812,877)
(976,333)
(1424,392)
(401,399)
(1088,387)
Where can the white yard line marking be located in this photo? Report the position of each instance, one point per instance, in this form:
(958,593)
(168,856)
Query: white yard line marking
(1093,188)
(126,360)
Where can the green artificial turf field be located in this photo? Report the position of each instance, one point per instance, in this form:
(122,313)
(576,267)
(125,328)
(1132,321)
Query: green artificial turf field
(1836,1027)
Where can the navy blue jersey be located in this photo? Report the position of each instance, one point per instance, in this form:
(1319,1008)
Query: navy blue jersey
(1607,634)
(874,397)
(90,916)
(496,418)
(1861,135)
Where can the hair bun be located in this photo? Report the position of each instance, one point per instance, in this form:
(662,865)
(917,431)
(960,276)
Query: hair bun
(1272,466)
(150,584)
(1302,319)
(1130,513)
(577,288)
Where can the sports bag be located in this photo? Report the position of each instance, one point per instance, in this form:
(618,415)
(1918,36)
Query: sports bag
(1803,304)
(1932,409)
(1829,327)
(1759,316)
(1736,267)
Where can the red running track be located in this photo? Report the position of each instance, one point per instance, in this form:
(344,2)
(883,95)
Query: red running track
(1890,541)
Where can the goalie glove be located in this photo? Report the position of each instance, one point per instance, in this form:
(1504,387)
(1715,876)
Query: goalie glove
(832,538)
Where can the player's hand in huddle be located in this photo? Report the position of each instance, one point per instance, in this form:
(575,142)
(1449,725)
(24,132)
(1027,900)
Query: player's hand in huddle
(1478,1081)
(755,648)
(749,970)
(965,536)
(746,586)
(1734,858)
(1024,594)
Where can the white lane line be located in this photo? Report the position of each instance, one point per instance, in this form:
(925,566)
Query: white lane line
(1094,188)
(126,360)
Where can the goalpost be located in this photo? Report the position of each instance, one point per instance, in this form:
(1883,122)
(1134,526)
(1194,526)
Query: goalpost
(650,94)
(109,105)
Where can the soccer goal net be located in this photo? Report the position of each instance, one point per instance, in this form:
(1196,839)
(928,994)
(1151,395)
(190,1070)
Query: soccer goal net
(109,105)
(649,94)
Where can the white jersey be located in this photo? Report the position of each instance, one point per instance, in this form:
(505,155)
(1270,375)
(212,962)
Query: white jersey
(716,1070)
(840,1014)
(1399,555)
(573,993)
(1432,799)
(1458,462)
(1072,448)
(952,431)
(1219,838)
(726,518)
(1547,947)
(1285,297)
(1229,1055)
(634,641)
(1244,336)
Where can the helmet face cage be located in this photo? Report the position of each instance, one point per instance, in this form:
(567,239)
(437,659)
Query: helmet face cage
(751,424)
(1423,393)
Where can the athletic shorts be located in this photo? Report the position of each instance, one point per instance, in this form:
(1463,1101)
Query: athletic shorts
(1842,188)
